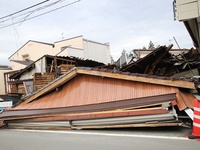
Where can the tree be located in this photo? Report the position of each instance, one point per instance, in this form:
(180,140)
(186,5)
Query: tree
(151,45)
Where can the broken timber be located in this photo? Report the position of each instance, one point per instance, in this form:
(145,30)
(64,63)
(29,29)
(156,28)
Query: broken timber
(48,103)
(131,77)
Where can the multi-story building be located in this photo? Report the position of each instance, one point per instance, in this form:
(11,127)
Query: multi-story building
(188,12)
(76,46)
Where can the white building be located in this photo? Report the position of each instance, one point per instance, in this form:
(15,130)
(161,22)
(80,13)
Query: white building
(188,12)
(76,46)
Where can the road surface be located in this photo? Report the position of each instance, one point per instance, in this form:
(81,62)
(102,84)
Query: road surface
(125,139)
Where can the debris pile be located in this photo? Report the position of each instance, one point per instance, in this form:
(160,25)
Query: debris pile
(144,93)
(161,62)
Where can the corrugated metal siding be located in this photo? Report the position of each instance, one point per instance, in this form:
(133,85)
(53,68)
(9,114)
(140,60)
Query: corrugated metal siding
(86,89)
(100,122)
(124,120)
(184,100)
(93,115)
(10,114)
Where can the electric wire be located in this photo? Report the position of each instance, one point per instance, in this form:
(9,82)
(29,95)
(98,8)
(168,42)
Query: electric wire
(30,12)
(24,9)
(40,14)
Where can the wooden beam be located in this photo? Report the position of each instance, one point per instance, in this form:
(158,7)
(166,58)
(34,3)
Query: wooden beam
(173,83)
(88,115)
(96,127)
(38,128)
(129,125)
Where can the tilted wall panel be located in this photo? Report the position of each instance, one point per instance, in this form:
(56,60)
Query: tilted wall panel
(87,89)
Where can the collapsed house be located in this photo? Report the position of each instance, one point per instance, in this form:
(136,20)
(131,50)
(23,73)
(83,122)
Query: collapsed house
(41,72)
(99,96)
(161,62)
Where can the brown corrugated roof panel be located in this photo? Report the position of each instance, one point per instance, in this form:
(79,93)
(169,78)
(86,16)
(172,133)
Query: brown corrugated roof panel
(111,81)
(24,111)
(87,89)
(82,90)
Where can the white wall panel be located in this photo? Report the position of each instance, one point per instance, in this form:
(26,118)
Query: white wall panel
(188,11)
(181,2)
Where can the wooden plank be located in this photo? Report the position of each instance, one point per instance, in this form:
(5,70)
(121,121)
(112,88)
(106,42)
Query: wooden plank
(66,67)
(89,115)
(38,128)
(50,87)
(41,80)
(129,126)
(146,106)
(97,127)
(184,100)
(173,83)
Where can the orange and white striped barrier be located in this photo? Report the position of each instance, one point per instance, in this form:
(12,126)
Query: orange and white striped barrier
(196,122)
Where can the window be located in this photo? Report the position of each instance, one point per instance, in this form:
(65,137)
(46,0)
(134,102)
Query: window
(25,57)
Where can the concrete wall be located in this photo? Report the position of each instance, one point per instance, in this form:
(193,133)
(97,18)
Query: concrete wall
(97,51)
(76,42)
(40,65)
(39,68)
(71,51)
(83,48)
(16,66)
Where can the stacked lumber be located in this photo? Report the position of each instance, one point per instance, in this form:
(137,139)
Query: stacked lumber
(42,79)
(13,88)
(66,67)
(21,89)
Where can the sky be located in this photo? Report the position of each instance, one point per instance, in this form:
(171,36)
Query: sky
(125,24)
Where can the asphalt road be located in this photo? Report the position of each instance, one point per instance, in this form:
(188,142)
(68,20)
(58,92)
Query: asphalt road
(123,139)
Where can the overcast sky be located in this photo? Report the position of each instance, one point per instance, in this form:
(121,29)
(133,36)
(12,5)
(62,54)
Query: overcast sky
(125,24)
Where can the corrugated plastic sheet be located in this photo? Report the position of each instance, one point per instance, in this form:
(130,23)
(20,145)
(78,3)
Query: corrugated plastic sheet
(87,89)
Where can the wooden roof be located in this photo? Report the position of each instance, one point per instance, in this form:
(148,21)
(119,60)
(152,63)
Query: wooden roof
(103,87)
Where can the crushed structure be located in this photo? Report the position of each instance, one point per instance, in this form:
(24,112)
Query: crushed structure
(87,94)
(41,72)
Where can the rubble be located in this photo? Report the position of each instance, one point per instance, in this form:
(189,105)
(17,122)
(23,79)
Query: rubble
(161,62)
(72,93)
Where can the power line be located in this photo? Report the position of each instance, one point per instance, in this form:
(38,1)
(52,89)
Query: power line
(38,9)
(24,9)
(21,21)
(30,12)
